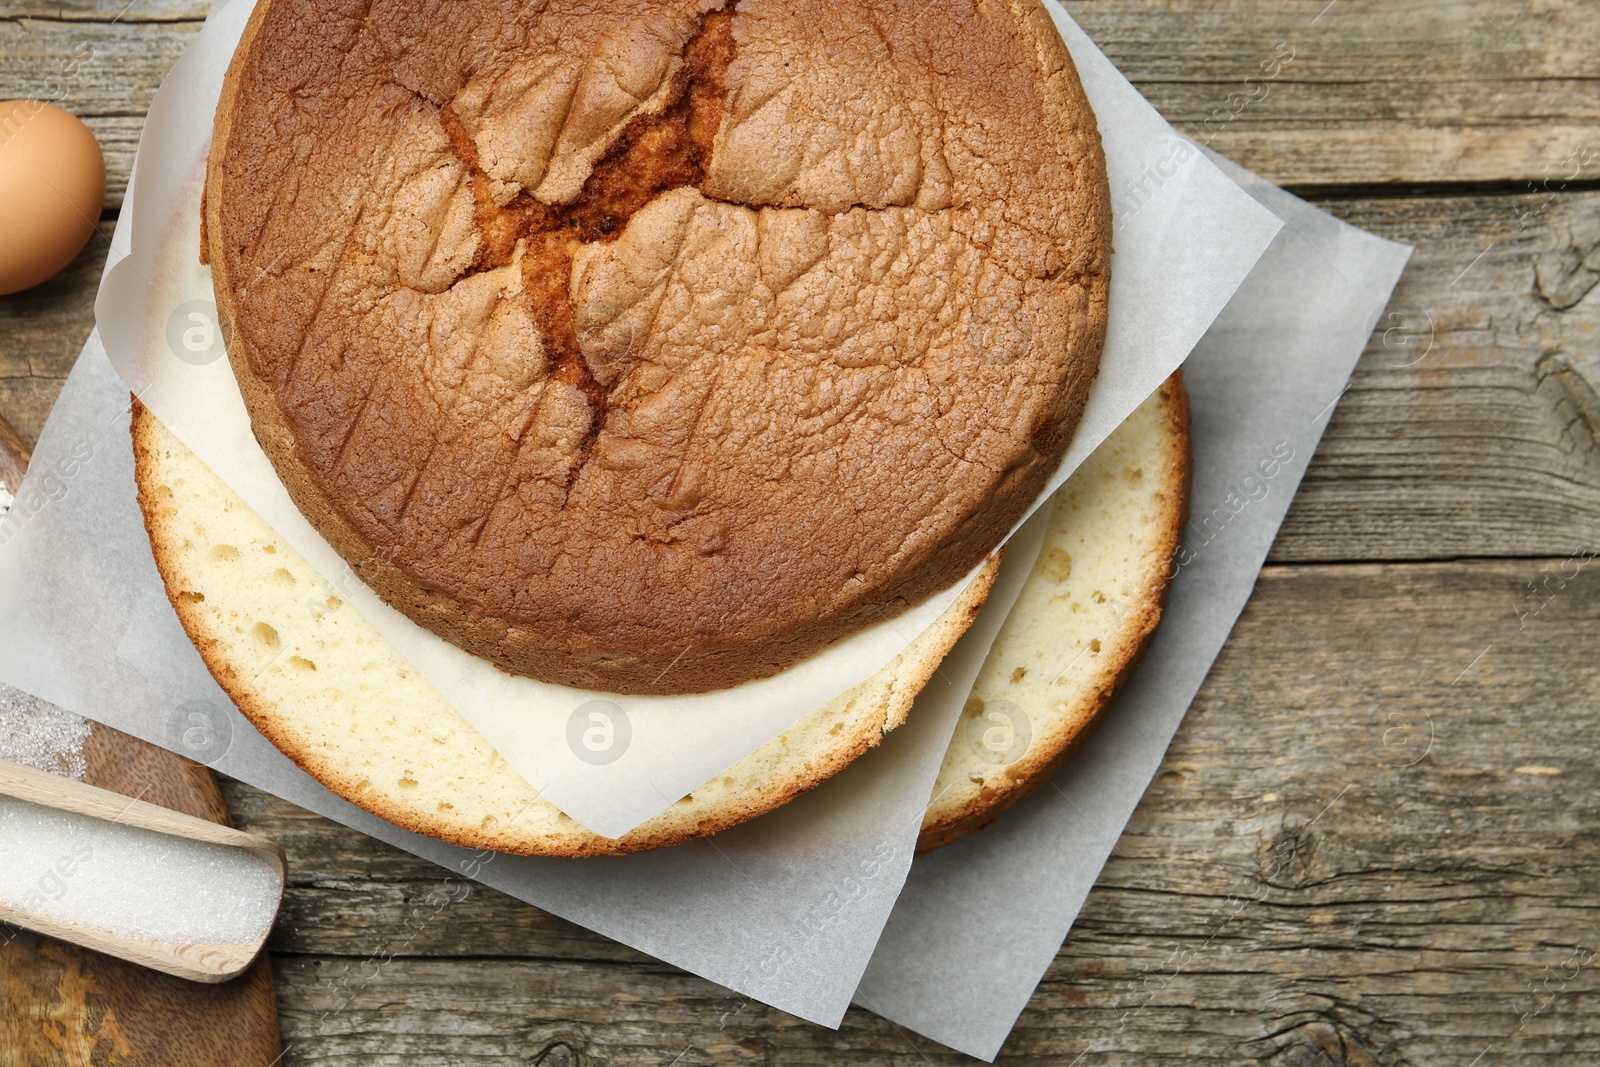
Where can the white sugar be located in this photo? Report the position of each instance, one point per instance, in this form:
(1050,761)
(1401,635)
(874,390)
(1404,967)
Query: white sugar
(41,735)
(127,880)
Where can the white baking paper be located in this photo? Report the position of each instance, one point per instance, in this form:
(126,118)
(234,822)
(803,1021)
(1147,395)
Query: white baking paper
(980,920)
(1185,238)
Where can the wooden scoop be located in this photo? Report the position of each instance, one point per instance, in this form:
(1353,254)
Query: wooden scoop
(200,961)
(93,835)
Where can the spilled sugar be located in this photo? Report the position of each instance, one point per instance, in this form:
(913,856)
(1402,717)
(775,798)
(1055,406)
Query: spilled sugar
(41,735)
(126,880)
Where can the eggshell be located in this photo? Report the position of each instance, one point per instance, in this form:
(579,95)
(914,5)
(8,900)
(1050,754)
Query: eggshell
(52,186)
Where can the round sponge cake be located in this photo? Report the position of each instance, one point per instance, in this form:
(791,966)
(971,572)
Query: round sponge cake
(653,346)
(319,682)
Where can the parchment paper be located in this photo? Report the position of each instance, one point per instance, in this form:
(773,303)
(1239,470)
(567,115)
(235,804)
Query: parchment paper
(1182,248)
(980,920)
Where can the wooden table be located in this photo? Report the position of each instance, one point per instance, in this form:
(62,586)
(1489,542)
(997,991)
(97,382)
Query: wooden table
(1376,839)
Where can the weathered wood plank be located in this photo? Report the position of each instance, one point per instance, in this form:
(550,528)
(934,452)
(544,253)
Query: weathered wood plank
(1378,826)
(1368,90)
(1471,422)
(109,11)
(1303,91)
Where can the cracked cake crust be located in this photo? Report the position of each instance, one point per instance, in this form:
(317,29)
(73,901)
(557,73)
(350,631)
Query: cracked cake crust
(652,347)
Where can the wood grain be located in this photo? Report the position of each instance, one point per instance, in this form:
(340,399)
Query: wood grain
(1471,422)
(1376,828)
(14,457)
(1373,90)
(65,1004)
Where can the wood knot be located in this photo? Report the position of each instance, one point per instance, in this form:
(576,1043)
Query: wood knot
(1568,385)
(1287,858)
(1564,277)
(565,1049)
(1320,1043)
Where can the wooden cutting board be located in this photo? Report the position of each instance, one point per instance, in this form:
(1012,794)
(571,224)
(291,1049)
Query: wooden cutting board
(64,1006)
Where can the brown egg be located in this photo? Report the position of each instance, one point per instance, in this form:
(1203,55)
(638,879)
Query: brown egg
(52,185)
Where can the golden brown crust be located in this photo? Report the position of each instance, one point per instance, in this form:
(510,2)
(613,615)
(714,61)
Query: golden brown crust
(275,717)
(730,516)
(945,825)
